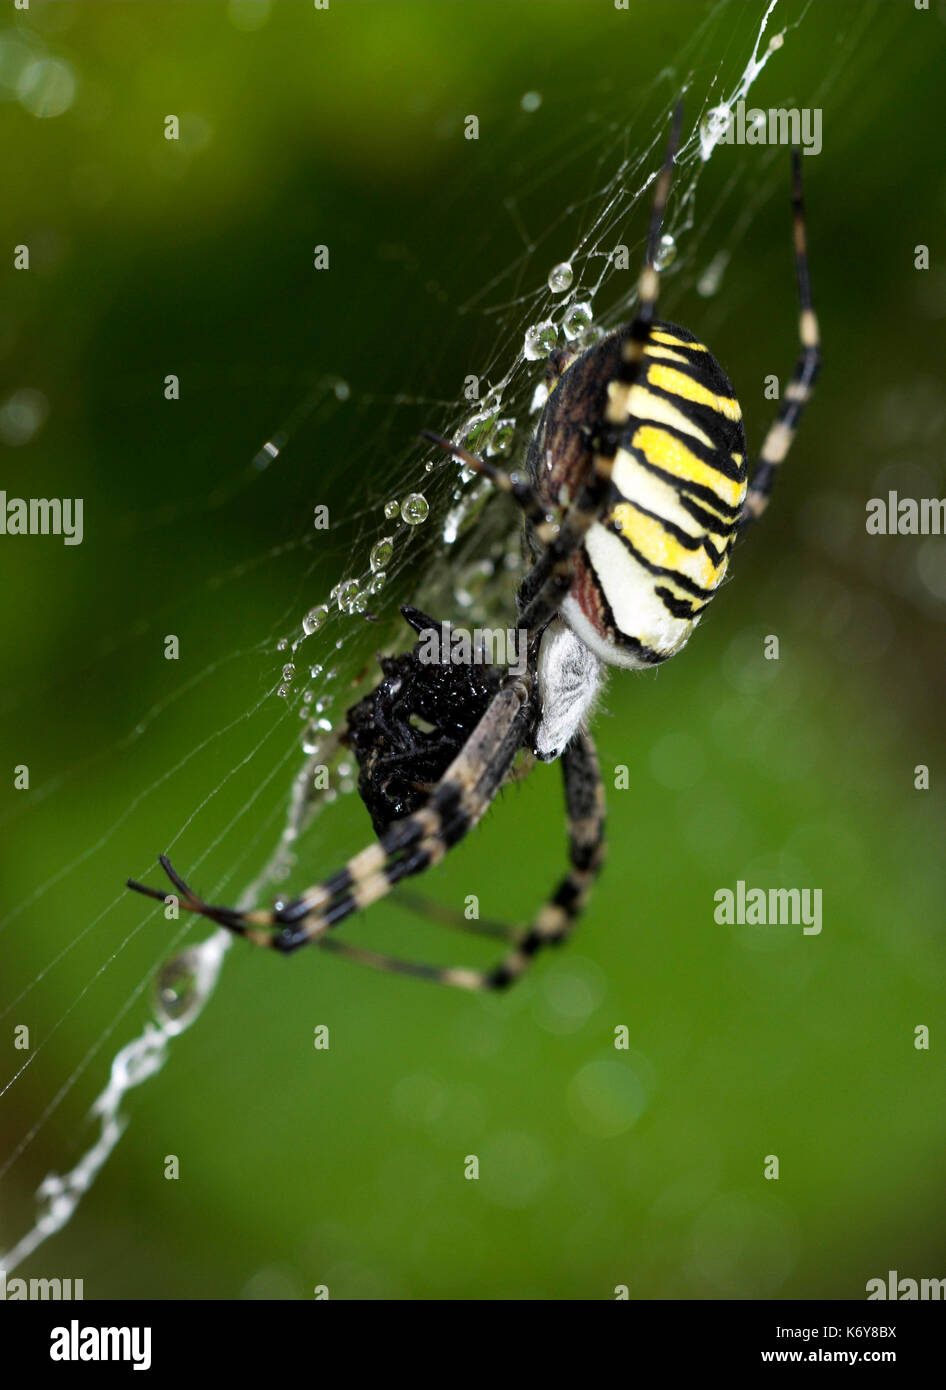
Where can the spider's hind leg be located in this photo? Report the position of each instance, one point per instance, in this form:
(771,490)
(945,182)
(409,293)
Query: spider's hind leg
(798,392)
(584,796)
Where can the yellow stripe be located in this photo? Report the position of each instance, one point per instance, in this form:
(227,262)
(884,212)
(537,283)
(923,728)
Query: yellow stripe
(663,451)
(667,379)
(658,547)
(659,411)
(657,495)
(660,336)
(666,355)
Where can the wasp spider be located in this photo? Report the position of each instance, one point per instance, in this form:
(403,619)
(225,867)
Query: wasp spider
(640,454)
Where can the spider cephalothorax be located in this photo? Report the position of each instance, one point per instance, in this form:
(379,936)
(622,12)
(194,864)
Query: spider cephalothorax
(636,488)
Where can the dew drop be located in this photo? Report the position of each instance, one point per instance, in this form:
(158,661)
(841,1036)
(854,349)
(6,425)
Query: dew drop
(288,671)
(315,672)
(283,691)
(378,582)
(539,396)
(578,319)
(712,128)
(391,510)
(414,509)
(712,277)
(666,252)
(310,737)
(314,619)
(561,277)
(282,644)
(381,553)
(346,595)
(502,437)
(177,993)
(539,341)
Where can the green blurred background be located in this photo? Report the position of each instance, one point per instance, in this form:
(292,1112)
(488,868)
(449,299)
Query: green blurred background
(598,1167)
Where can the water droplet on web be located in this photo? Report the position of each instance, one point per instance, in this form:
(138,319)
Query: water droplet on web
(391,510)
(712,277)
(307,697)
(577,320)
(283,691)
(381,553)
(539,341)
(666,252)
(177,992)
(315,672)
(378,582)
(282,644)
(561,277)
(310,737)
(288,671)
(500,441)
(54,1203)
(414,509)
(539,396)
(712,128)
(314,619)
(346,594)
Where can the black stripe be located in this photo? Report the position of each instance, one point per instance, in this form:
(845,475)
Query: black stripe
(567,896)
(661,571)
(712,455)
(678,533)
(707,519)
(678,607)
(729,433)
(682,485)
(583,856)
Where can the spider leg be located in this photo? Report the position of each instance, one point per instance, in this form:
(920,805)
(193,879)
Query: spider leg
(584,795)
(450,917)
(548,583)
(226,917)
(407,847)
(536,510)
(798,392)
(551,577)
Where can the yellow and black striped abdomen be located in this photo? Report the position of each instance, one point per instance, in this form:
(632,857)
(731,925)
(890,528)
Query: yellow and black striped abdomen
(648,568)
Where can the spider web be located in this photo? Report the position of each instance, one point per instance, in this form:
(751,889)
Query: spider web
(294,672)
